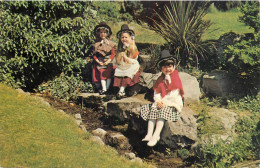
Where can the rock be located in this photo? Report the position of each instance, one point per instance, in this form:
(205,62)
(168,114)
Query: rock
(77,116)
(130,155)
(182,133)
(226,118)
(146,62)
(122,109)
(138,160)
(79,122)
(189,83)
(191,88)
(117,140)
(98,140)
(223,120)
(83,128)
(20,90)
(148,79)
(100,132)
(219,83)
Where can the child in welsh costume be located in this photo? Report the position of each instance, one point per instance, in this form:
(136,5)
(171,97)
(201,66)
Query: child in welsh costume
(127,70)
(168,99)
(103,54)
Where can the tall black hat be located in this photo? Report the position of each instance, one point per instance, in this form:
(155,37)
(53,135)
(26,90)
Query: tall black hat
(165,56)
(105,26)
(125,29)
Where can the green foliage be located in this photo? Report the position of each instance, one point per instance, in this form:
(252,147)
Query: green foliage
(183,153)
(244,61)
(182,26)
(112,11)
(226,5)
(251,16)
(40,39)
(65,87)
(244,146)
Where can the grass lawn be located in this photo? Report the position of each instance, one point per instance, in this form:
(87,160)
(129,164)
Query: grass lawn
(222,22)
(35,135)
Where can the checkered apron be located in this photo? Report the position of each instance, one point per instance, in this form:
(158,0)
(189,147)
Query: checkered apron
(151,112)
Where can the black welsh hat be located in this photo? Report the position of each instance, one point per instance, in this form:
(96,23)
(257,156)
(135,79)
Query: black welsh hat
(165,56)
(125,29)
(103,25)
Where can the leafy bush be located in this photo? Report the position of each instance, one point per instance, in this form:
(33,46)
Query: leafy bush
(226,5)
(251,16)
(243,55)
(41,39)
(114,11)
(65,87)
(245,146)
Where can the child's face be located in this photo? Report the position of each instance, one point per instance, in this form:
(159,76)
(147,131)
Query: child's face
(102,34)
(167,69)
(125,38)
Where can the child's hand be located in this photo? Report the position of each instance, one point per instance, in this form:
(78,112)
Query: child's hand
(160,104)
(100,63)
(107,62)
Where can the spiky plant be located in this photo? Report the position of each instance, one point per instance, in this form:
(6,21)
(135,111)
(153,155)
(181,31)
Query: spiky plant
(182,25)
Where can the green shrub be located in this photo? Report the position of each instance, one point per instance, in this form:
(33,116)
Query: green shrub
(65,87)
(244,146)
(112,11)
(41,39)
(243,55)
(251,16)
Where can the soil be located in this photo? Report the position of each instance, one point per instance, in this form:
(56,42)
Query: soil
(92,120)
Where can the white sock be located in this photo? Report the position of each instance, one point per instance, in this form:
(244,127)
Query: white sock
(151,124)
(157,132)
(103,84)
(108,83)
(122,89)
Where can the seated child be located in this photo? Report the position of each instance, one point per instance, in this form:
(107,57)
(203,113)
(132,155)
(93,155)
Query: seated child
(168,99)
(104,53)
(127,70)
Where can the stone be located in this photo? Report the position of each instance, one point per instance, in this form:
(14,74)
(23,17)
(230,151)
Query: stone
(191,88)
(137,160)
(98,140)
(79,122)
(100,132)
(180,134)
(130,155)
(148,79)
(117,140)
(83,128)
(77,116)
(146,62)
(220,83)
(122,109)
(225,121)
(190,85)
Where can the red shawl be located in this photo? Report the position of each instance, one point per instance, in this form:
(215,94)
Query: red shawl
(161,87)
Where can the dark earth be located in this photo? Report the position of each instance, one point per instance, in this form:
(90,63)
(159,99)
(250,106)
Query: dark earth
(92,119)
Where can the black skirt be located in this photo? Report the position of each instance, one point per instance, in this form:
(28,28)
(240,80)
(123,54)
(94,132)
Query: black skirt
(152,112)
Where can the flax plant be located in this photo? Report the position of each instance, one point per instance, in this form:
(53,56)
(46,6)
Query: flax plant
(182,25)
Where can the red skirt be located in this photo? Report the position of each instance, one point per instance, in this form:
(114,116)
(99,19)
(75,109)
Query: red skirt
(126,81)
(102,74)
